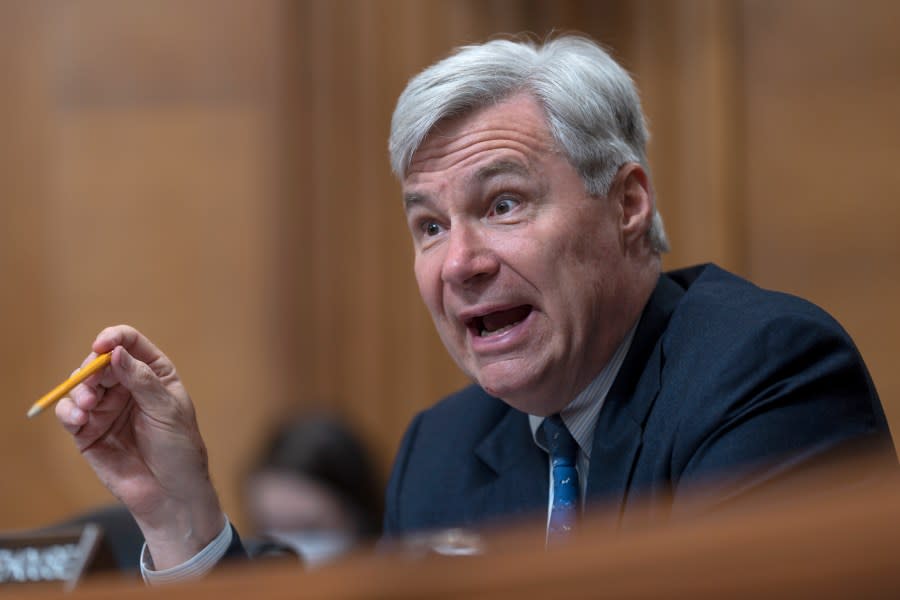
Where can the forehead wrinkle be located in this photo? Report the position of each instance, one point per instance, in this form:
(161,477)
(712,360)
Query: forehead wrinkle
(440,145)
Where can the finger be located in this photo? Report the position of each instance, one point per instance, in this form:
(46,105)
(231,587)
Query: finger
(137,345)
(89,392)
(114,399)
(102,418)
(133,340)
(139,379)
(71,417)
(86,396)
(93,381)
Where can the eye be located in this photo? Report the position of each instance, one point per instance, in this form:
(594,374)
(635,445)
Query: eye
(503,205)
(430,228)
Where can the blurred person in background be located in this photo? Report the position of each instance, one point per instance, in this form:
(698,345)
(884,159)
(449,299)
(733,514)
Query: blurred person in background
(313,489)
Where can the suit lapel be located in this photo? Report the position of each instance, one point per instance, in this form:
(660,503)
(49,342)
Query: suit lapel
(617,438)
(521,485)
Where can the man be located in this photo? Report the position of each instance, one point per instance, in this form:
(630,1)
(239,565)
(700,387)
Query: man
(537,249)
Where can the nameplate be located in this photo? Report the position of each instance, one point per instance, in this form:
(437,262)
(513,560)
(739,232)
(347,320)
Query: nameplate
(58,555)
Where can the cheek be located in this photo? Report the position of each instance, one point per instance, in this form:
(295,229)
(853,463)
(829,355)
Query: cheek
(582,274)
(428,278)
(575,258)
(595,249)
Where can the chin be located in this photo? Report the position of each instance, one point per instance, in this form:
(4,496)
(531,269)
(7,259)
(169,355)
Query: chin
(514,391)
(498,387)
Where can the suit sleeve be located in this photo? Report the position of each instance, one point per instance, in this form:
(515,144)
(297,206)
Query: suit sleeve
(236,550)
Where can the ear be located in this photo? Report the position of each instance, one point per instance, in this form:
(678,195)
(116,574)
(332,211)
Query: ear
(635,195)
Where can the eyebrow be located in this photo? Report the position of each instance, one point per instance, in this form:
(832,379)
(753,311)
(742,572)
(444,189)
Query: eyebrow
(495,169)
(501,167)
(410,200)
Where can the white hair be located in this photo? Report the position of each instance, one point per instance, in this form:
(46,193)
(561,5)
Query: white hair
(592,107)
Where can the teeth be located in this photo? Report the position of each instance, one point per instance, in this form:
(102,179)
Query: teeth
(486,333)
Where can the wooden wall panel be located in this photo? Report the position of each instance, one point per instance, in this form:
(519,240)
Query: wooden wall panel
(686,62)
(29,490)
(157,195)
(823,144)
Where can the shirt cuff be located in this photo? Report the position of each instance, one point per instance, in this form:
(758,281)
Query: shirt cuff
(194,568)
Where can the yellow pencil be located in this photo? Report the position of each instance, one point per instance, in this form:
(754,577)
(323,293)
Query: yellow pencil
(66,386)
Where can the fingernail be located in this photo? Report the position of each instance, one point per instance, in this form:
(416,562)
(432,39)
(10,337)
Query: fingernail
(77,415)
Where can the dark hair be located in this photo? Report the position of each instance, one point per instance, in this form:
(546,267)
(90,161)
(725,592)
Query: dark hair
(324,449)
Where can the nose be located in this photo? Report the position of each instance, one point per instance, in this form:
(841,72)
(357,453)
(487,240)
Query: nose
(469,257)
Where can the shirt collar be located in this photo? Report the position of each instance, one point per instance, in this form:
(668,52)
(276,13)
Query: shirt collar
(580,416)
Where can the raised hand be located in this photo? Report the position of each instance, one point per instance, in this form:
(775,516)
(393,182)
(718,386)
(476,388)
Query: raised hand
(135,424)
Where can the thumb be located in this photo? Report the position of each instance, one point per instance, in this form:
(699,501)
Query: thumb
(138,378)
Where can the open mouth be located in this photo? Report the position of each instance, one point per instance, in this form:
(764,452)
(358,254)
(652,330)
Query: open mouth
(498,322)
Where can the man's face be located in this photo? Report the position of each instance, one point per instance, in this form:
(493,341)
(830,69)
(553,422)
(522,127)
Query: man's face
(526,276)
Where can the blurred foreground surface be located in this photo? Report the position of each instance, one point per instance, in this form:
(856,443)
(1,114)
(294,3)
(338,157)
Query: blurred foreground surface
(821,541)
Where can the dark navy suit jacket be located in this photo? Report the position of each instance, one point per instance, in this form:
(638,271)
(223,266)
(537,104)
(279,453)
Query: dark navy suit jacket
(725,385)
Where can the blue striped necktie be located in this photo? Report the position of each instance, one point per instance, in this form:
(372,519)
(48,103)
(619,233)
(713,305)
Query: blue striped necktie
(566,493)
